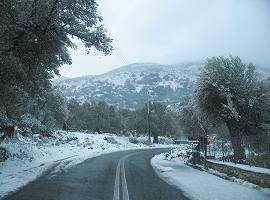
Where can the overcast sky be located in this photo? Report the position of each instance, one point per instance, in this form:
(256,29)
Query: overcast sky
(174,31)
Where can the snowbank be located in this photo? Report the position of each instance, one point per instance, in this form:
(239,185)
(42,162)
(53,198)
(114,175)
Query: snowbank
(32,155)
(200,185)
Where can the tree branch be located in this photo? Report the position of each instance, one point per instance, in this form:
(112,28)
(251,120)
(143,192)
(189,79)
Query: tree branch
(50,16)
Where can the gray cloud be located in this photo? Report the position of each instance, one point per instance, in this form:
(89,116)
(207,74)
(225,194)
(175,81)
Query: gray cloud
(173,31)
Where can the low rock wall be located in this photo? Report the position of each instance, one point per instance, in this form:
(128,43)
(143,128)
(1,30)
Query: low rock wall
(260,179)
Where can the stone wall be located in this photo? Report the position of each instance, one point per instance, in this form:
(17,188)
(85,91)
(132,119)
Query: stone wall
(260,179)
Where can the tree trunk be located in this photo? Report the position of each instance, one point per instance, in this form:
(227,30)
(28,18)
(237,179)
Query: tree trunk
(155,140)
(65,127)
(236,139)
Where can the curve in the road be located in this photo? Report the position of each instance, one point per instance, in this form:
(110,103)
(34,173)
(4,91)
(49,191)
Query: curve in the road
(126,175)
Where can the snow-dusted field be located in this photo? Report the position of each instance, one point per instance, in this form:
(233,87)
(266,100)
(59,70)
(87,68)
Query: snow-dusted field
(200,185)
(32,155)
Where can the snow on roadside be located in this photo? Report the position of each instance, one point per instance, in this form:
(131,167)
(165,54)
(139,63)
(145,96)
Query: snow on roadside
(33,154)
(200,185)
(244,167)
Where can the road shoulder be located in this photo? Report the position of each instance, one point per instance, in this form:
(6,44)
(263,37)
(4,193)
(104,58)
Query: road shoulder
(201,185)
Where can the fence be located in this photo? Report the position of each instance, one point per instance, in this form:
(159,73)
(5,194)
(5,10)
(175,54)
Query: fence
(256,149)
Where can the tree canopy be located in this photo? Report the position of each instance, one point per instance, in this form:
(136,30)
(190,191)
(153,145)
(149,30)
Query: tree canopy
(229,90)
(35,37)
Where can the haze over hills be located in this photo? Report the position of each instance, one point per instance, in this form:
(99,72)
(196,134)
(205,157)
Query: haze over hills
(132,85)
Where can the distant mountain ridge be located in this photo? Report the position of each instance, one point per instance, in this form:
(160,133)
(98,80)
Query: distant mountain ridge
(130,86)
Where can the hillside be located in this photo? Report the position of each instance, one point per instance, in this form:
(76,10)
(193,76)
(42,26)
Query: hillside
(132,85)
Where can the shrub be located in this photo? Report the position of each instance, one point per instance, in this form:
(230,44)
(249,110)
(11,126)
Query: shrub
(4,155)
(111,140)
(133,140)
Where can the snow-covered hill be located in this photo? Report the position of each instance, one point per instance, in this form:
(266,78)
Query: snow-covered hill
(132,85)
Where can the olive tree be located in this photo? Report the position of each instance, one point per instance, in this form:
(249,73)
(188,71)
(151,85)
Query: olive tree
(225,90)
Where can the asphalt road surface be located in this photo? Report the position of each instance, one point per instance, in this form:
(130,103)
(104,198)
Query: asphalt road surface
(126,175)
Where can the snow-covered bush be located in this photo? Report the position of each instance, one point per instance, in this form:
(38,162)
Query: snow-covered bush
(88,142)
(183,152)
(133,140)
(143,140)
(165,140)
(70,139)
(111,140)
(3,154)
(30,121)
(4,120)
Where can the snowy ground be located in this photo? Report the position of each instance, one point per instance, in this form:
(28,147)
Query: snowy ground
(33,154)
(200,185)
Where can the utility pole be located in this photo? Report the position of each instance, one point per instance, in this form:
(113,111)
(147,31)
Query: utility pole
(121,117)
(148,119)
